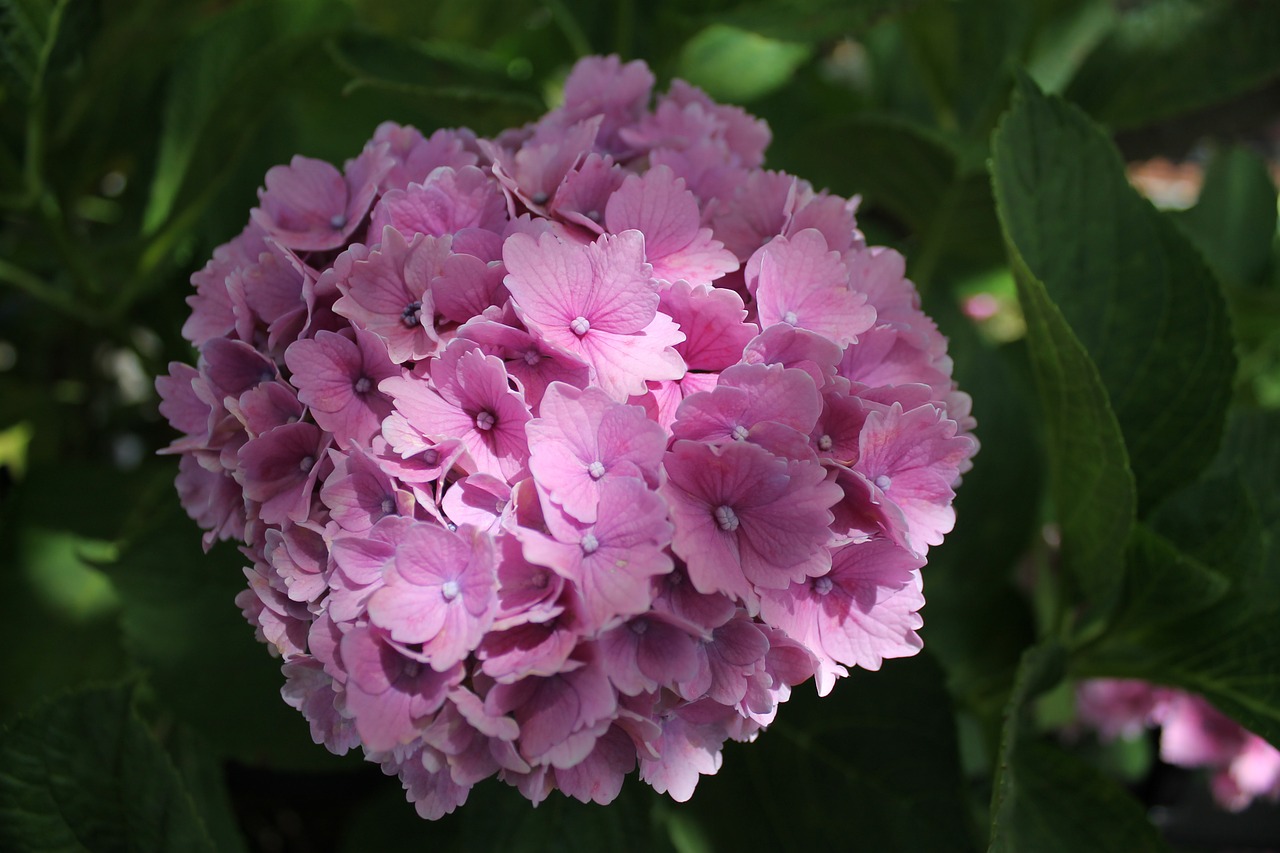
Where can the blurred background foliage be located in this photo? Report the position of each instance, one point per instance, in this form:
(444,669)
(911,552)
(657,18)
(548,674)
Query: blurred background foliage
(1120,520)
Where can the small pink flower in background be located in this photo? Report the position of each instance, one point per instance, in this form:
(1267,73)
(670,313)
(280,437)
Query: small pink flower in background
(1193,734)
(569,453)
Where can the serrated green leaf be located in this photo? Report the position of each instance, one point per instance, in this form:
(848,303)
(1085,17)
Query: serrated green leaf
(1229,652)
(1169,56)
(1162,585)
(882,745)
(1234,220)
(1134,293)
(82,773)
(1090,480)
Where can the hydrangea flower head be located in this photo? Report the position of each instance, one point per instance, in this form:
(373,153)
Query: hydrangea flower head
(566,454)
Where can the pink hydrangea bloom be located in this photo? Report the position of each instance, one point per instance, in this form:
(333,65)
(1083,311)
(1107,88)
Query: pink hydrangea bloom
(1193,733)
(569,453)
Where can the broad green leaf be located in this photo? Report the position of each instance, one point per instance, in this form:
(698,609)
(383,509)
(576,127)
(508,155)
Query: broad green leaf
(1132,291)
(736,65)
(1090,480)
(1169,56)
(1234,220)
(1230,651)
(1162,585)
(1066,37)
(882,745)
(1046,800)
(82,773)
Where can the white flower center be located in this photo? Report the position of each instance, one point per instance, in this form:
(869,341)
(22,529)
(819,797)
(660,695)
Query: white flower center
(580,326)
(596,470)
(306,464)
(430,456)
(338,221)
(363,385)
(485,421)
(532,357)
(449,589)
(388,505)
(739,432)
(824,443)
(726,518)
(883,482)
(411,668)
(639,626)
(590,543)
(822,585)
(790,318)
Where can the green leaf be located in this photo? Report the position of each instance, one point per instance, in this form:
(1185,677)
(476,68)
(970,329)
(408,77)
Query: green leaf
(1090,479)
(736,65)
(1162,585)
(1046,800)
(1063,805)
(1132,291)
(83,773)
(1170,56)
(1229,651)
(1234,220)
(882,746)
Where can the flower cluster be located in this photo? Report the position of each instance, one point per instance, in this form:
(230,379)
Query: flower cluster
(1193,734)
(567,451)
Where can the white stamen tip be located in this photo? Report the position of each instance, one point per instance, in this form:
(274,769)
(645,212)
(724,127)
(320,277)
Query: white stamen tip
(485,421)
(790,318)
(639,626)
(822,585)
(580,326)
(363,385)
(388,505)
(338,220)
(532,357)
(449,589)
(306,464)
(411,668)
(596,470)
(590,543)
(726,518)
(824,443)
(739,433)
(883,482)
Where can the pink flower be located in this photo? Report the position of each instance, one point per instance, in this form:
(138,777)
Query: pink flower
(583,440)
(597,302)
(745,518)
(439,593)
(573,450)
